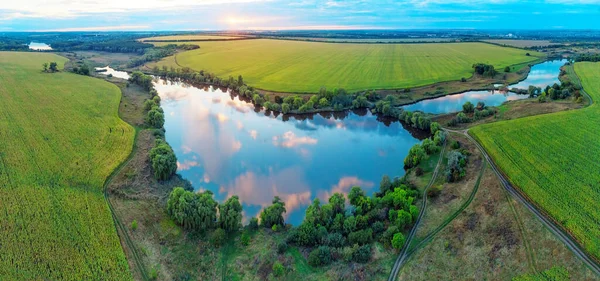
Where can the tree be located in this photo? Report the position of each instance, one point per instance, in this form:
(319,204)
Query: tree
(455,170)
(155,117)
(507,69)
(362,254)
(338,203)
(273,215)
(480,105)
(164,161)
(218,237)
(434,127)
(323,102)
(285,108)
(385,185)
(356,195)
(45,66)
(398,241)
(240,81)
(53,67)
(429,146)
(320,256)
(230,214)
(414,157)
(468,107)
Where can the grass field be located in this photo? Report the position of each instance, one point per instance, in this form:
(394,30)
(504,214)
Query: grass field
(61,137)
(554,159)
(294,66)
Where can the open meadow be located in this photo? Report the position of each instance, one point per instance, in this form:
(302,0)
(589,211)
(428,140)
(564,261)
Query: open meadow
(61,138)
(294,66)
(554,159)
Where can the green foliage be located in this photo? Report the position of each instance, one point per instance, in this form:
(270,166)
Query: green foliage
(278,269)
(414,157)
(245,239)
(361,237)
(429,146)
(134,225)
(434,127)
(218,237)
(320,256)
(556,273)
(455,169)
(273,215)
(230,214)
(282,246)
(195,211)
(362,254)
(253,225)
(139,78)
(485,70)
(398,240)
(468,107)
(149,104)
(164,161)
(155,117)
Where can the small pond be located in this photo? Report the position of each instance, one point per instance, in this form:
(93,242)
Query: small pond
(39,46)
(225,145)
(541,75)
(115,73)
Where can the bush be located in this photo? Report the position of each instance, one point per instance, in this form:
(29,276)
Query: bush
(418,172)
(278,269)
(134,225)
(468,107)
(335,240)
(362,254)
(320,256)
(253,225)
(155,117)
(434,191)
(463,79)
(398,240)
(282,247)
(507,69)
(148,104)
(218,237)
(455,144)
(245,239)
(361,237)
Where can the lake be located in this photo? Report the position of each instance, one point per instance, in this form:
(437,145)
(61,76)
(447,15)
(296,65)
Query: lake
(115,73)
(541,75)
(225,145)
(39,46)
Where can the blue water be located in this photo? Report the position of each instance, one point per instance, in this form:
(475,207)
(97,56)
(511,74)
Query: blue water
(224,145)
(541,75)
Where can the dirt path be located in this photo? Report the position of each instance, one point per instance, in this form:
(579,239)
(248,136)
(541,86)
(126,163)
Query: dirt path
(403,254)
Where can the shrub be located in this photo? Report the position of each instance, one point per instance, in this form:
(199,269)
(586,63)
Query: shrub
(155,117)
(134,225)
(455,144)
(398,240)
(320,256)
(253,225)
(362,254)
(468,107)
(361,237)
(463,79)
(245,239)
(335,240)
(218,237)
(434,191)
(418,172)
(148,104)
(507,69)
(278,269)
(282,247)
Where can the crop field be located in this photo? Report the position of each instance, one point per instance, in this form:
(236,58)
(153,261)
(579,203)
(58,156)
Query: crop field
(61,137)
(295,66)
(555,160)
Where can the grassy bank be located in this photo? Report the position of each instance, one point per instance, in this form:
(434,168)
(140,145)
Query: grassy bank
(554,158)
(294,66)
(61,138)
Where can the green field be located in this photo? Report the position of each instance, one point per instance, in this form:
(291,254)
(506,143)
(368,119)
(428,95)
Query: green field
(61,137)
(294,66)
(555,160)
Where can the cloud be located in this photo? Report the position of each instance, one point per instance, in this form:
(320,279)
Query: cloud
(343,186)
(75,8)
(289,140)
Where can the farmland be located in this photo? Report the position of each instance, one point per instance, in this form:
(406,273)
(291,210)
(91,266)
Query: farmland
(61,138)
(554,160)
(294,66)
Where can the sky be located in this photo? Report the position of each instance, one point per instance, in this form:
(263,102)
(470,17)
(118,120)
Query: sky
(142,15)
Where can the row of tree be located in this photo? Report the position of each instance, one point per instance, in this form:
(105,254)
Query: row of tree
(428,146)
(157,53)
